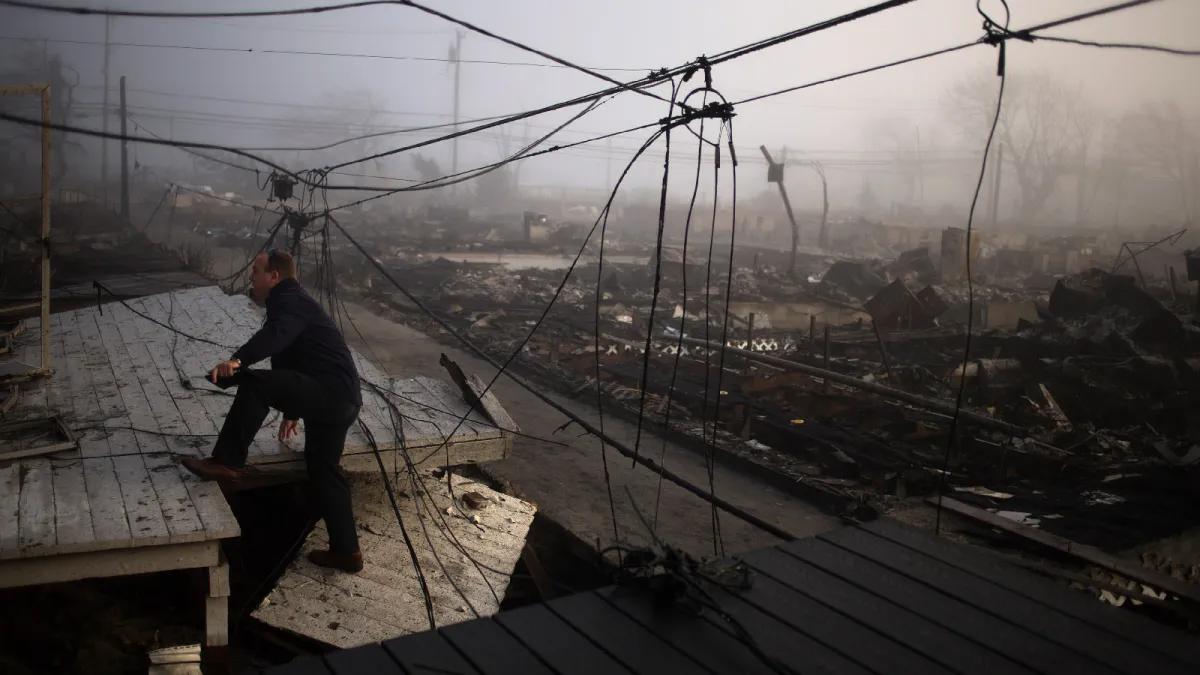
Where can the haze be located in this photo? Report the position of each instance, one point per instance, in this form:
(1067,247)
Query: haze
(856,128)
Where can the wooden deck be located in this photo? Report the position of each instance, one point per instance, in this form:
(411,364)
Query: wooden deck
(130,372)
(880,598)
(384,601)
(134,393)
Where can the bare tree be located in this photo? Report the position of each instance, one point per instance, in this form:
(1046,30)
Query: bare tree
(898,137)
(1045,125)
(1159,137)
(427,168)
(500,187)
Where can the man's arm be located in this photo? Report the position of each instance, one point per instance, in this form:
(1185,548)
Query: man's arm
(284,325)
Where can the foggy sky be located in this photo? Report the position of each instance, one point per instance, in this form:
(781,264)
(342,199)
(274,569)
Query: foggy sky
(829,122)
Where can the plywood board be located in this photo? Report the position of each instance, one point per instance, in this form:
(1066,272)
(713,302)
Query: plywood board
(385,600)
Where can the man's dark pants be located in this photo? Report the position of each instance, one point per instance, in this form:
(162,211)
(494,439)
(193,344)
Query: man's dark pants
(326,422)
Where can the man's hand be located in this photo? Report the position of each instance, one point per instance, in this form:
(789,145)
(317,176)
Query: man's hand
(288,428)
(224,369)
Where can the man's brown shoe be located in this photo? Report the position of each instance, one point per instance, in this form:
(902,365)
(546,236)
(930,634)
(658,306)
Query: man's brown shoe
(346,562)
(210,469)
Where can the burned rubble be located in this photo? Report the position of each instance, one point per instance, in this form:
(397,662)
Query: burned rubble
(1089,376)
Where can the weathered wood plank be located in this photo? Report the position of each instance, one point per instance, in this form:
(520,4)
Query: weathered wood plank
(164,347)
(72,508)
(304,665)
(904,627)
(638,650)
(133,398)
(370,659)
(359,594)
(211,506)
(121,562)
(491,405)
(448,410)
(320,621)
(455,404)
(833,629)
(556,643)
(798,650)
(109,520)
(87,410)
(196,359)
(96,357)
(179,513)
(940,607)
(58,385)
(491,649)
(417,652)
(688,632)
(1091,643)
(37,505)
(146,523)
(1116,621)
(148,375)
(1089,554)
(216,621)
(10,508)
(418,430)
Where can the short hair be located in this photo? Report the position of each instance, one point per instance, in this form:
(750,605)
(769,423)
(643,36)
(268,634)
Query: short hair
(281,262)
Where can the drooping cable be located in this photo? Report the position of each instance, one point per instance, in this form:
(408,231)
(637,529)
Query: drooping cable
(662,222)
(679,348)
(952,439)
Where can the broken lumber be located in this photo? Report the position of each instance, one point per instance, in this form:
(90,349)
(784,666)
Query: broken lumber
(1089,554)
(944,407)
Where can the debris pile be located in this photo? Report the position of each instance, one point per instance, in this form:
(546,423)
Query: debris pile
(1079,381)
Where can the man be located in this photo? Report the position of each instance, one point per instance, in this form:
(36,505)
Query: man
(312,378)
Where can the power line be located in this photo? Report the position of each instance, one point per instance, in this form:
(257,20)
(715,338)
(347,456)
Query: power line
(278,104)
(993,29)
(144,14)
(473,173)
(658,77)
(1121,45)
(301,125)
(66,128)
(330,8)
(855,73)
(1025,34)
(297,52)
(334,30)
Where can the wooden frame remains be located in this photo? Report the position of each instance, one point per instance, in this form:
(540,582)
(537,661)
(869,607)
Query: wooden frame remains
(64,438)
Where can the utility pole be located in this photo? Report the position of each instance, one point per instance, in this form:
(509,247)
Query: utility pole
(775,175)
(124,156)
(997,171)
(104,117)
(458,38)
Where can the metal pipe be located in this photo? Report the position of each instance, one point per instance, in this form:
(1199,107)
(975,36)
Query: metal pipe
(944,407)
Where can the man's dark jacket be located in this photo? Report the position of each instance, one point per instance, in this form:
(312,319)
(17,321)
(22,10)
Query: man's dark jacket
(299,336)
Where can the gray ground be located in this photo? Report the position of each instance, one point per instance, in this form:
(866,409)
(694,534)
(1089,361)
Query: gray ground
(567,483)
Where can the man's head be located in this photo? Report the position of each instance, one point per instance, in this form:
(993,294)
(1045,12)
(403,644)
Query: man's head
(269,269)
